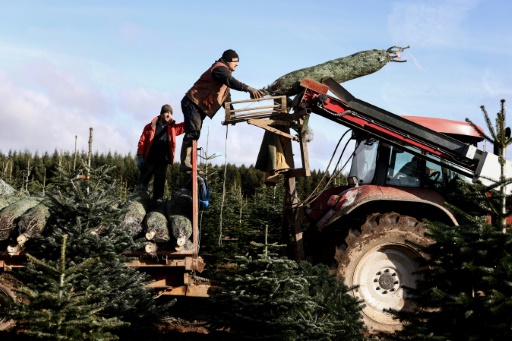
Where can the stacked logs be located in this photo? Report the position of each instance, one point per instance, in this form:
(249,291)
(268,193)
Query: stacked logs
(157,230)
(32,222)
(179,214)
(10,215)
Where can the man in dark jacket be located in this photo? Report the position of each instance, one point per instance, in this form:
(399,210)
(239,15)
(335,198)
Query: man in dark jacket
(156,149)
(206,97)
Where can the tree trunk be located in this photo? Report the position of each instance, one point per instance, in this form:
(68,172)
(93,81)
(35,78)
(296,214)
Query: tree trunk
(134,210)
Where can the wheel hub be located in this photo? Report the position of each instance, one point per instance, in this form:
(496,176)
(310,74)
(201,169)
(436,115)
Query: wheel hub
(381,275)
(386,281)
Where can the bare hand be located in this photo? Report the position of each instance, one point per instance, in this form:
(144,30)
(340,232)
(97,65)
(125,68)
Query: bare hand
(255,93)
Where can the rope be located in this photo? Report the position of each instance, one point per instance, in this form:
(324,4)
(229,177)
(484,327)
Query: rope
(223,186)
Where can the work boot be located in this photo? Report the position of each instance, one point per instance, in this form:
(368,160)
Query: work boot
(186,158)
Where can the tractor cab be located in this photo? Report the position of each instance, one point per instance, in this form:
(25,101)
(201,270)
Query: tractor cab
(379,163)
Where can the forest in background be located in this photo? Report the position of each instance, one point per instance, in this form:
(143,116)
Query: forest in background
(32,172)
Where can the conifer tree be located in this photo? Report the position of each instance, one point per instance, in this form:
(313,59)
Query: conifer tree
(61,311)
(87,210)
(271,297)
(240,224)
(466,290)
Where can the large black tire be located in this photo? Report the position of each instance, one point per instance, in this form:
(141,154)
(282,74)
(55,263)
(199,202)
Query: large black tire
(7,296)
(377,259)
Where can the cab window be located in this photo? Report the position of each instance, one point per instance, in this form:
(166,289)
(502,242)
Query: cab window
(404,169)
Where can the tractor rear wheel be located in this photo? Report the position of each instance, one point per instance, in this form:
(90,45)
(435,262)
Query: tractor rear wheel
(377,260)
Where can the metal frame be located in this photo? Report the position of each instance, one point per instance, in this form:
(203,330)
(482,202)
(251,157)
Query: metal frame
(269,117)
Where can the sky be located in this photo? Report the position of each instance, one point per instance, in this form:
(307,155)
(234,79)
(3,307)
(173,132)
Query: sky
(68,66)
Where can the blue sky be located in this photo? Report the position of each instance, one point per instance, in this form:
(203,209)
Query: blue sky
(66,66)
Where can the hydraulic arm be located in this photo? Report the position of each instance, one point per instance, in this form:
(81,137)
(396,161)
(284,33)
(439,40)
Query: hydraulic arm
(345,109)
(359,115)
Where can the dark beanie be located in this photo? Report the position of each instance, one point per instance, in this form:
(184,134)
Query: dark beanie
(228,55)
(166,108)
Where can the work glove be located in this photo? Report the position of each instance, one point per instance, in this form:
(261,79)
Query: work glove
(140,159)
(255,93)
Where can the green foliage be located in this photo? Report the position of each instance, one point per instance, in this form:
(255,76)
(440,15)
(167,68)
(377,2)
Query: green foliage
(466,289)
(14,167)
(233,220)
(60,311)
(87,199)
(87,211)
(275,298)
(236,215)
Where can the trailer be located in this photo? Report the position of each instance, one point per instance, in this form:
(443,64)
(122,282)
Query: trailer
(172,273)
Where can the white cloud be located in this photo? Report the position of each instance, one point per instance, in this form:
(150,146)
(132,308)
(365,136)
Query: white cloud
(113,72)
(43,108)
(144,103)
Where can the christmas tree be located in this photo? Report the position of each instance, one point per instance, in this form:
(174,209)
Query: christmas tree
(277,298)
(86,209)
(61,312)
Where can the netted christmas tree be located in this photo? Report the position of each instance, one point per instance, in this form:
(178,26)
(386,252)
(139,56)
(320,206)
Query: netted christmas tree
(271,297)
(61,311)
(466,290)
(87,211)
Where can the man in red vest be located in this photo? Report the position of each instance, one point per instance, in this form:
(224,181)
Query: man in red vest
(206,97)
(156,149)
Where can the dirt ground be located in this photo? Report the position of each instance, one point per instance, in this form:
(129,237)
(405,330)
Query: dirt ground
(171,329)
(181,324)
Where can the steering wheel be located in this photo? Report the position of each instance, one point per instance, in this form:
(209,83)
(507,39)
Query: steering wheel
(434,176)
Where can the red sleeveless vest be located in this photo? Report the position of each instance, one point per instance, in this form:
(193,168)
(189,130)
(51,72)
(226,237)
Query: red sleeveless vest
(207,93)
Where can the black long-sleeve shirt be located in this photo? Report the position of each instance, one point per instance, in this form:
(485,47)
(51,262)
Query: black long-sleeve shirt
(223,75)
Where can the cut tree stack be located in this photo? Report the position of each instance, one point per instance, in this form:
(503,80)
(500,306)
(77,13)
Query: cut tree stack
(10,214)
(29,215)
(134,210)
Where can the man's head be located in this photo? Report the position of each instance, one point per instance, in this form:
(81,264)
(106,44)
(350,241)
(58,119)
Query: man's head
(166,113)
(231,58)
